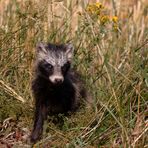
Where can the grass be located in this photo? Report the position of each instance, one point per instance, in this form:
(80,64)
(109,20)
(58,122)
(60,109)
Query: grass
(111,55)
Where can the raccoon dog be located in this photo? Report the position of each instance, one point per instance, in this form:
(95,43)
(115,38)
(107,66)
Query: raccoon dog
(56,87)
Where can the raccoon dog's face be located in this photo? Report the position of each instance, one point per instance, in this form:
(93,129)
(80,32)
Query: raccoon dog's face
(54,61)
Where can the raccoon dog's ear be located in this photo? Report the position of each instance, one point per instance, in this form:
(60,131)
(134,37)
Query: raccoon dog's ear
(41,48)
(69,51)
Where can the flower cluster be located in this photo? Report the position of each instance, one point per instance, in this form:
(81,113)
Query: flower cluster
(95,8)
(115,23)
(98,13)
(103,19)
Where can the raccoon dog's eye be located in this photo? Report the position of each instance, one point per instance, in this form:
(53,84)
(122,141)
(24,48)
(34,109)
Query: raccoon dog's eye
(48,66)
(66,67)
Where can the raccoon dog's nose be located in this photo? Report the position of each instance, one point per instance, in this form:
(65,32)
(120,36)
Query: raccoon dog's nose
(58,80)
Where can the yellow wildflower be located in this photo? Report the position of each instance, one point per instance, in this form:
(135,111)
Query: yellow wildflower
(115,19)
(115,27)
(90,9)
(98,5)
(104,19)
(94,8)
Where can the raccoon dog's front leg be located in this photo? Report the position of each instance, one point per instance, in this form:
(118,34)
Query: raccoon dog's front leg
(40,116)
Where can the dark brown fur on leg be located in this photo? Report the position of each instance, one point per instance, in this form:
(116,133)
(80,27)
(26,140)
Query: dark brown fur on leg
(40,116)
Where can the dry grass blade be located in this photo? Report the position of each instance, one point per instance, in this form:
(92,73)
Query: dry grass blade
(11,91)
(144,132)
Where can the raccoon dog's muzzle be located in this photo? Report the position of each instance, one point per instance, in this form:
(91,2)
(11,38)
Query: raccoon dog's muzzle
(56,79)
